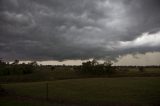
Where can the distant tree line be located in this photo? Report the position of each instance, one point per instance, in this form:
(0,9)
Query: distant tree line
(90,67)
(15,68)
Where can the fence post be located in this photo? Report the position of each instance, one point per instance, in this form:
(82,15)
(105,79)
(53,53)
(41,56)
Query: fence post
(46,91)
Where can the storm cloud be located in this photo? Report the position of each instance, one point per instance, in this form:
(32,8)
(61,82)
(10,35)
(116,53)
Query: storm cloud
(78,29)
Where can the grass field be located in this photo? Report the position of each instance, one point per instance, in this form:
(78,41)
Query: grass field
(128,91)
(48,75)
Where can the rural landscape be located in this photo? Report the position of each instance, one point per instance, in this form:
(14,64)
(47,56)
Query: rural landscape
(79,52)
(89,84)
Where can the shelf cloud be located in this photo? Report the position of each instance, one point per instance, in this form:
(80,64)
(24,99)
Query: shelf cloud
(78,29)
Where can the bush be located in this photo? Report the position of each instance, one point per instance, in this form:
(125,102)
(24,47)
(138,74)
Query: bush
(141,69)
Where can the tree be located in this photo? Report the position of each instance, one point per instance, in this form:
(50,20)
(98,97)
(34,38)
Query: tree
(86,67)
(93,67)
(2,62)
(15,62)
(29,68)
(108,63)
(94,62)
(108,67)
(33,63)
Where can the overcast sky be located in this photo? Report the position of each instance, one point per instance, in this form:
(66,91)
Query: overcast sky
(79,29)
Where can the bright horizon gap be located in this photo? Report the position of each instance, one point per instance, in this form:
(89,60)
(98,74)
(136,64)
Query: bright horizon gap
(150,58)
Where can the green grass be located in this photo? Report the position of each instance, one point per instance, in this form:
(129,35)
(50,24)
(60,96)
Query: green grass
(41,75)
(132,90)
(48,75)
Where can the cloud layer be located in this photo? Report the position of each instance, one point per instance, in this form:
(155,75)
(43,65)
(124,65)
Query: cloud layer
(78,29)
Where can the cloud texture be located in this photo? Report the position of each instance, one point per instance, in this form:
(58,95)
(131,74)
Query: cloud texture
(78,29)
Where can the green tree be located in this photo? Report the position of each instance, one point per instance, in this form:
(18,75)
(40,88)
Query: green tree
(94,67)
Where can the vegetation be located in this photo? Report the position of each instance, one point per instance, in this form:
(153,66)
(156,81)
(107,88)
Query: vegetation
(91,83)
(30,72)
(98,91)
(141,69)
(15,68)
(93,67)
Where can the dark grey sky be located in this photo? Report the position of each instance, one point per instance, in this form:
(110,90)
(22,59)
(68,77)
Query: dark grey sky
(78,29)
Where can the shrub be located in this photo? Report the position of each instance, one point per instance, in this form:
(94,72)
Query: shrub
(141,69)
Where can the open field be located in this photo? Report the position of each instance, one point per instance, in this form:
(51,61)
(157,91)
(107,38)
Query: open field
(128,91)
(128,86)
(46,74)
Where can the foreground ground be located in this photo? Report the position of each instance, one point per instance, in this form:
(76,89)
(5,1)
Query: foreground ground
(125,91)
